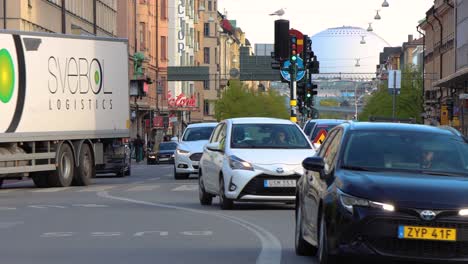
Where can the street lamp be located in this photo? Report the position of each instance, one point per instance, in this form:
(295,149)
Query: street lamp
(377,16)
(385,4)
(370,29)
(363,40)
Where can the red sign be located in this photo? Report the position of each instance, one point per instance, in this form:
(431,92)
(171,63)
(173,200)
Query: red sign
(158,121)
(181,101)
(320,137)
(300,39)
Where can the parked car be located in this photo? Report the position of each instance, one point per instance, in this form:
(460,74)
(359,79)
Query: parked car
(317,129)
(396,191)
(165,152)
(252,159)
(190,149)
(118,159)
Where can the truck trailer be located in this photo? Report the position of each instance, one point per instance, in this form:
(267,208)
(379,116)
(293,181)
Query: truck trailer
(64,107)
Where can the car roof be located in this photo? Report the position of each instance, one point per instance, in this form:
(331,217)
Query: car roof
(202,125)
(360,126)
(327,121)
(259,120)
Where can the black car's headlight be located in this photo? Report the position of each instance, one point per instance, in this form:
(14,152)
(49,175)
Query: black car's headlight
(463,212)
(239,164)
(348,202)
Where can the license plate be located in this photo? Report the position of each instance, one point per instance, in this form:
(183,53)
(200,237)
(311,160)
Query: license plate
(427,233)
(279,183)
(163,159)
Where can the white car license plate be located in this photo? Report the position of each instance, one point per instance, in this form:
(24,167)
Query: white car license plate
(279,183)
(163,159)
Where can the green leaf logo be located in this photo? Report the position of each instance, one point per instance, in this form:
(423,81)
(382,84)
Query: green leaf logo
(7,76)
(97,77)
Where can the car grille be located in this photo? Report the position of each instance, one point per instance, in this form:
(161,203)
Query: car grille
(256,186)
(419,248)
(165,155)
(196,156)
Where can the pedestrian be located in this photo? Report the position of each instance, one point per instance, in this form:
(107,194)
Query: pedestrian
(138,149)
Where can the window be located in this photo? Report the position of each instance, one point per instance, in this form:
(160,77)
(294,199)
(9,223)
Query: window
(206,55)
(163,9)
(214,135)
(142,36)
(206,29)
(210,6)
(197,133)
(206,107)
(163,48)
(206,84)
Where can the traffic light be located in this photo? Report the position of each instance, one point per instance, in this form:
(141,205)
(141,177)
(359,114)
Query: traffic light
(281,52)
(293,49)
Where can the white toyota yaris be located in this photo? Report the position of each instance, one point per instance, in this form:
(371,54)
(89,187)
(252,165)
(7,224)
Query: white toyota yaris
(253,159)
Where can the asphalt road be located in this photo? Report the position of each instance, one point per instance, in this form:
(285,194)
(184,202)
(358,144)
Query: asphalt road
(145,218)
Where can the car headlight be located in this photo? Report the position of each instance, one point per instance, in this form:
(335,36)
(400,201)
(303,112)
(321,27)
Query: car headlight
(182,152)
(349,202)
(238,164)
(152,156)
(463,212)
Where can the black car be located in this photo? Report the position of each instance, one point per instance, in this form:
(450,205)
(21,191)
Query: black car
(397,191)
(165,153)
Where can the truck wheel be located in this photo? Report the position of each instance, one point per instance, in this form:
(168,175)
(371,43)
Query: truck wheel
(40,180)
(86,170)
(63,175)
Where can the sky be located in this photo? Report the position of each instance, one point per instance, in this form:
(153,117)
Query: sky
(313,16)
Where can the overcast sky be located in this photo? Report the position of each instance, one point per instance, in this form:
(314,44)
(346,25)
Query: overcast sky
(313,16)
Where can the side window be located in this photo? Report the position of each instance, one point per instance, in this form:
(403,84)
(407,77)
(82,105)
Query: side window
(222,137)
(326,144)
(215,133)
(332,151)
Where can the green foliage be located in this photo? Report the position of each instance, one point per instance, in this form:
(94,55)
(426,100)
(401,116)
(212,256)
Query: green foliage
(329,102)
(239,101)
(409,104)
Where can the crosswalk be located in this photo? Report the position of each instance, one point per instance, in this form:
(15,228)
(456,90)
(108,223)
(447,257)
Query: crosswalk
(101,188)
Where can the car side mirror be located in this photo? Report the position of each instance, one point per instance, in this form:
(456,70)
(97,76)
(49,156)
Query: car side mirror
(214,147)
(314,164)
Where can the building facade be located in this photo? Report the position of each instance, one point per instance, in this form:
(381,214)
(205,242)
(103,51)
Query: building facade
(85,17)
(439,63)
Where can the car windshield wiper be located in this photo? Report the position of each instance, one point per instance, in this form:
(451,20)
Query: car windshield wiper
(357,168)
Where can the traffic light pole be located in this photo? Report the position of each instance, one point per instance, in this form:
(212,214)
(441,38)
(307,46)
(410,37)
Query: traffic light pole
(293,86)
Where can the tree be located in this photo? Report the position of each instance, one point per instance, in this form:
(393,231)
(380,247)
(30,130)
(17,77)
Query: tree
(409,104)
(239,101)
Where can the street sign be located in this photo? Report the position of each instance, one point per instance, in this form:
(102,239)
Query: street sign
(300,73)
(394,81)
(320,137)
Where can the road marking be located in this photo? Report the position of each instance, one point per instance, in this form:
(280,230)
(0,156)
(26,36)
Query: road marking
(160,233)
(57,234)
(271,246)
(9,224)
(97,188)
(197,233)
(155,179)
(46,206)
(2,191)
(90,205)
(143,188)
(186,187)
(49,190)
(7,208)
(105,234)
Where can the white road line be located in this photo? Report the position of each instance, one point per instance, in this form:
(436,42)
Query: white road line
(186,187)
(197,233)
(49,190)
(105,234)
(143,188)
(97,188)
(57,234)
(46,206)
(7,208)
(271,246)
(90,205)
(4,191)
(5,225)
(160,233)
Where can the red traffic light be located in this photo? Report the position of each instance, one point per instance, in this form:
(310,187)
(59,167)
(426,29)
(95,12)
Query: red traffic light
(293,46)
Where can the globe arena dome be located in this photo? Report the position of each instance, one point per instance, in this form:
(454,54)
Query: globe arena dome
(340,49)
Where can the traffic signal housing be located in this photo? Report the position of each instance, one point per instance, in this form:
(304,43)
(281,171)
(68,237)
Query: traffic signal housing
(293,49)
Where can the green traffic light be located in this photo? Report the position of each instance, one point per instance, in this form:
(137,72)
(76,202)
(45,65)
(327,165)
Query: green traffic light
(309,95)
(294,58)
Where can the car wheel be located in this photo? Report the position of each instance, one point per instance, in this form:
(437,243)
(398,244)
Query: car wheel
(323,254)
(303,248)
(225,203)
(205,198)
(180,176)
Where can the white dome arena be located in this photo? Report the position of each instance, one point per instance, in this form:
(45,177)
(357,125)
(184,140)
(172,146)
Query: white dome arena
(338,49)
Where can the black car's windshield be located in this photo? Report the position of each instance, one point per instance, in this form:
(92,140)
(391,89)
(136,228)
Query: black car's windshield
(432,154)
(268,136)
(167,146)
(197,133)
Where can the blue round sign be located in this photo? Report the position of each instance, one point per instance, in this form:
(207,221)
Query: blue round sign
(300,73)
